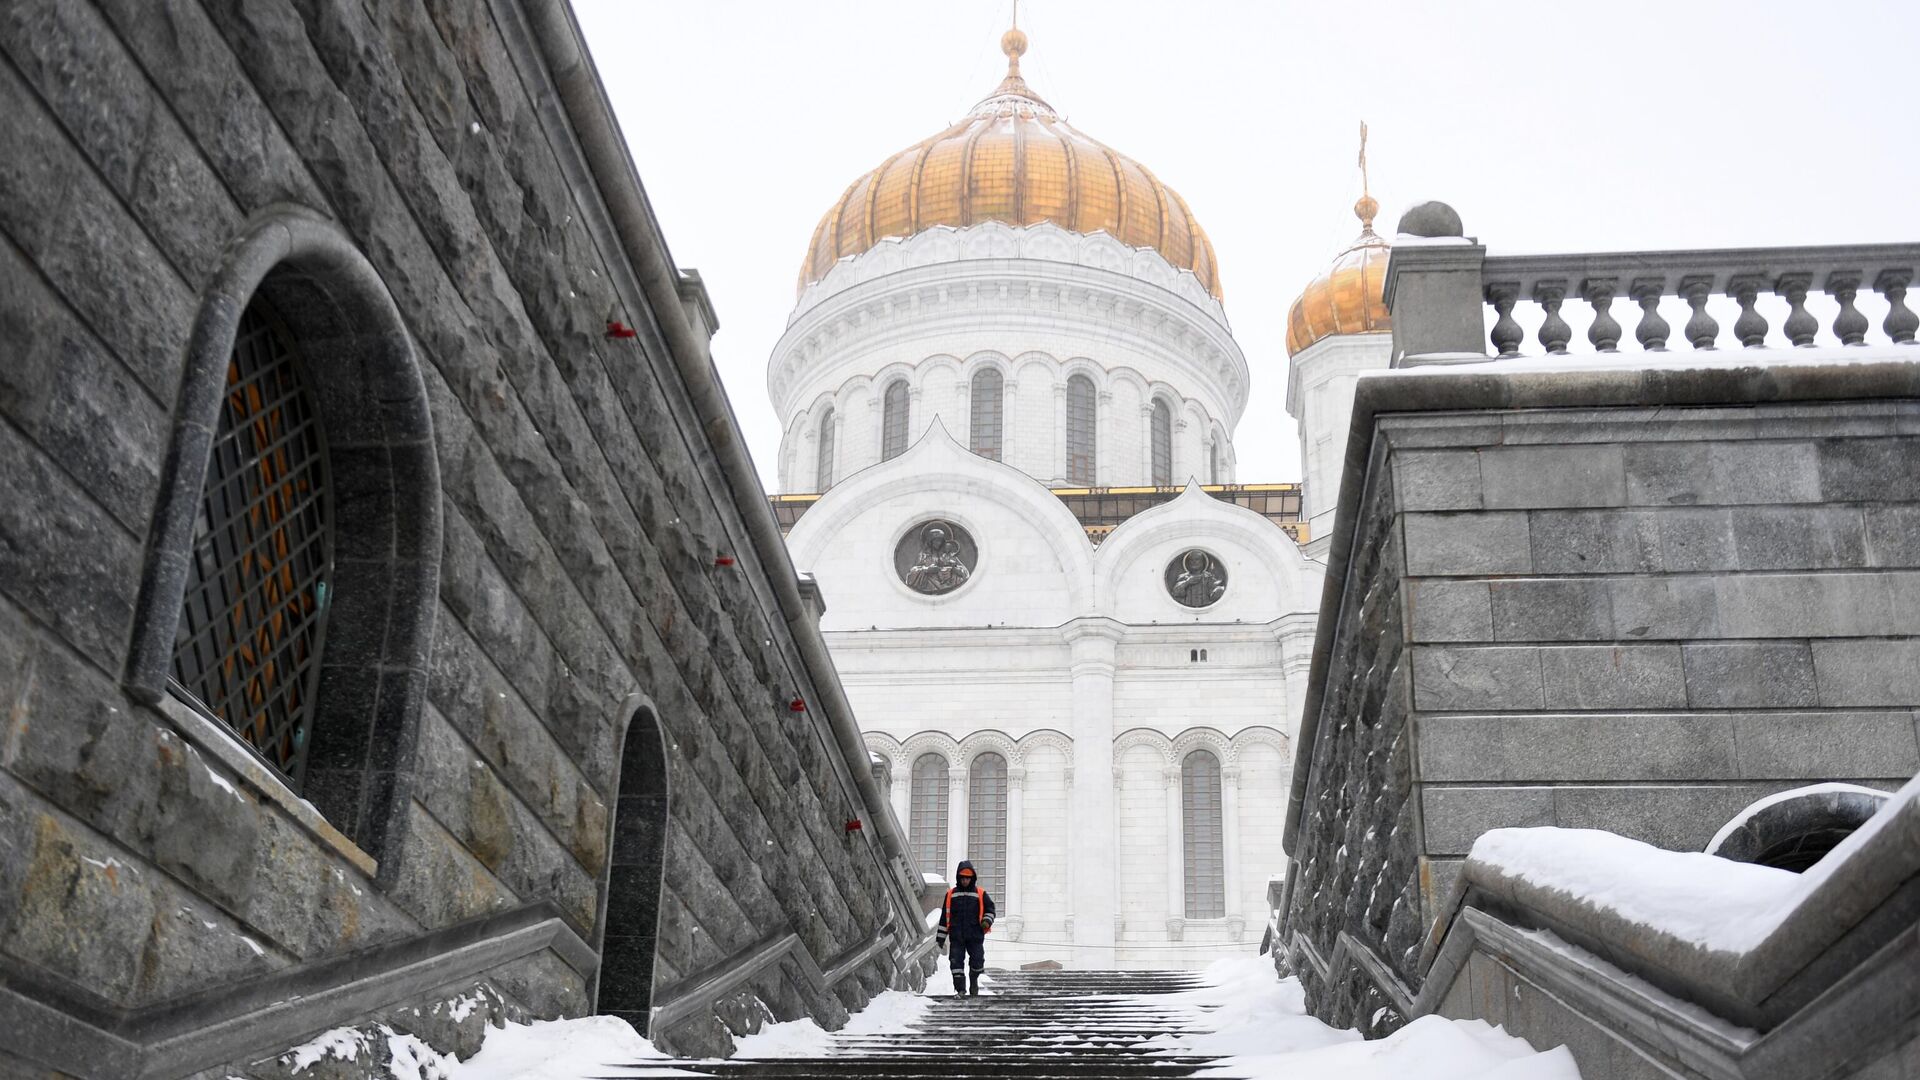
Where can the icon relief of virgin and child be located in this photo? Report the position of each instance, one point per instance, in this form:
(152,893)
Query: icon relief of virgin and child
(938,566)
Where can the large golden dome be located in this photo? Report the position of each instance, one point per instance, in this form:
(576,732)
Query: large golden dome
(1012,159)
(1345,299)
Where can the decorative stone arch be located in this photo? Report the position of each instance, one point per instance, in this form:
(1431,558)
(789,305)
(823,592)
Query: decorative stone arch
(1199,738)
(930,742)
(627,927)
(1258,736)
(925,371)
(1046,738)
(383,476)
(985,358)
(989,742)
(887,748)
(1133,738)
(1130,376)
(1032,358)
(1196,518)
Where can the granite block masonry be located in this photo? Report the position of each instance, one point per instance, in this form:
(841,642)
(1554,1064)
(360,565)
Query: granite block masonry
(549,763)
(1554,603)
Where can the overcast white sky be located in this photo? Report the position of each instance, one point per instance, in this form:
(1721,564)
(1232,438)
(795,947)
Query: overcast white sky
(1550,126)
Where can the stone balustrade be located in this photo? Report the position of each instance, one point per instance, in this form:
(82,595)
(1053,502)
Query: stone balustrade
(1440,284)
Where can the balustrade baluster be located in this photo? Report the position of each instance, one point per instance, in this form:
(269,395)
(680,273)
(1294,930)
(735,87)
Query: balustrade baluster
(1849,326)
(1800,325)
(1605,331)
(1507,334)
(1901,322)
(1554,331)
(1751,327)
(1701,328)
(1653,330)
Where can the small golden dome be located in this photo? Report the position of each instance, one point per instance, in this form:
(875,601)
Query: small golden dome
(1013,160)
(1345,299)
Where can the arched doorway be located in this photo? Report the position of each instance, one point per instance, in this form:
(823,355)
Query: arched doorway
(635,870)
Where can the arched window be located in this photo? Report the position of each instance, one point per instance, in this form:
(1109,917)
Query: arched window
(629,926)
(247,648)
(987,819)
(292,565)
(1200,836)
(1080,430)
(893,420)
(1213,463)
(823,456)
(927,813)
(1162,443)
(988,413)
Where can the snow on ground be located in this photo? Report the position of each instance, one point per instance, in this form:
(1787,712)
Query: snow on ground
(1261,1030)
(1712,902)
(558,1050)
(892,1011)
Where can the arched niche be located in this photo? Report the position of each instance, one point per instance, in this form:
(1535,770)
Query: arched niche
(384,482)
(630,914)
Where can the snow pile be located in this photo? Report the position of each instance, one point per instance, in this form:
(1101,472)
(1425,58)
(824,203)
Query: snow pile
(891,1012)
(559,1050)
(1702,899)
(1260,1025)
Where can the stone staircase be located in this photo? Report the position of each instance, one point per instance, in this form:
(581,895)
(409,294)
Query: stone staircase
(1043,1025)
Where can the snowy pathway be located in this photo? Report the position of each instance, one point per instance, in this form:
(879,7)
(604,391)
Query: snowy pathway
(1235,1020)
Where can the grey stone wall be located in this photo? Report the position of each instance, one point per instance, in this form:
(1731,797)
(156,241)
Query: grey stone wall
(582,516)
(1614,615)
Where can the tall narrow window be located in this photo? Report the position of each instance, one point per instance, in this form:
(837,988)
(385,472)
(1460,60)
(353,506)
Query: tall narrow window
(1080,430)
(1162,443)
(927,813)
(989,412)
(254,615)
(893,420)
(1213,463)
(823,460)
(1200,836)
(987,819)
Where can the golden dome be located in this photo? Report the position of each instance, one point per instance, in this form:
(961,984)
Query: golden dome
(1013,160)
(1345,299)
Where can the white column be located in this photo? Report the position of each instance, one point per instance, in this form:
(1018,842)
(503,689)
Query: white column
(1090,820)
(1176,841)
(1016,794)
(918,418)
(1230,837)
(1069,858)
(1180,459)
(956,817)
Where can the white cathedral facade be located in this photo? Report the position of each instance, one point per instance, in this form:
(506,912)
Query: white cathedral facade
(1077,645)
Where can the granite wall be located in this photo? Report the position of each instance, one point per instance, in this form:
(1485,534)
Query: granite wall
(585,589)
(1553,603)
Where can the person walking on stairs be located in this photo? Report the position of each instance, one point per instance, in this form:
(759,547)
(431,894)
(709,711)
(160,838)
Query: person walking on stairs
(966,918)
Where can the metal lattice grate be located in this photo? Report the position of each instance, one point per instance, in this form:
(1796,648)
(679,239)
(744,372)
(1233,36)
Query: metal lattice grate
(823,458)
(1081,429)
(1201,842)
(251,626)
(987,820)
(893,420)
(1162,443)
(989,413)
(927,813)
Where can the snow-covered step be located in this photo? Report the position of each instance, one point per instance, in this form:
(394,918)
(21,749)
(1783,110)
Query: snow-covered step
(1055,1025)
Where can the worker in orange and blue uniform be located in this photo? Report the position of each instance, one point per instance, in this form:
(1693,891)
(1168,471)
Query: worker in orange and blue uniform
(966,918)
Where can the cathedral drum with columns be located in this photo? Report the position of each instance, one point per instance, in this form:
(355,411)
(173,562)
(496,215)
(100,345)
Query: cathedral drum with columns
(1076,643)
